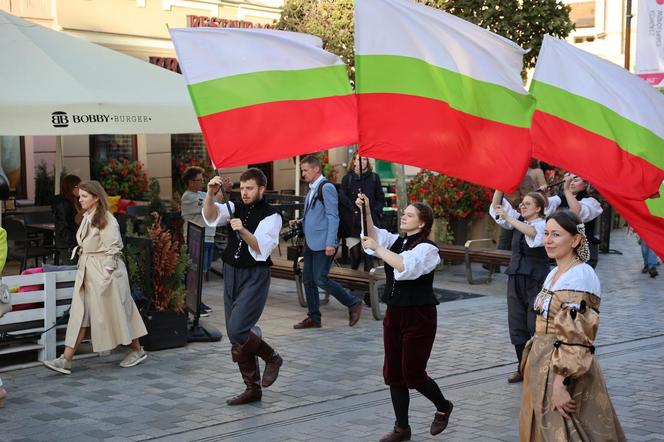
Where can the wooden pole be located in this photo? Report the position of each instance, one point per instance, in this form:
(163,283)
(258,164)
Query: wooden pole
(364,206)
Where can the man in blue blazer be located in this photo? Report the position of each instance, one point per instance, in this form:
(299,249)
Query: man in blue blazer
(321,222)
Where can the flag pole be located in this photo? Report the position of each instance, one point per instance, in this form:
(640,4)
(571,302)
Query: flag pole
(224,195)
(606,217)
(364,206)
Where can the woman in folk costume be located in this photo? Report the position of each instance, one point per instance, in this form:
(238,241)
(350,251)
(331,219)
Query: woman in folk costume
(102,302)
(564,394)
(411,319)
(528,267)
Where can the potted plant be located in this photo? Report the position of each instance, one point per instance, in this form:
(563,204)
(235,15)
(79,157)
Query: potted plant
(125,178)
(44,185)
(455,200)
(157,265)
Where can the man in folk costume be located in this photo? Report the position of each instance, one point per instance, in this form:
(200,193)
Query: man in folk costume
(256,226)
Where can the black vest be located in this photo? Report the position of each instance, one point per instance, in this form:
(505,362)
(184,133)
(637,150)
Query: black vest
(590,225)
(530,261)
(237,251)
(415,292)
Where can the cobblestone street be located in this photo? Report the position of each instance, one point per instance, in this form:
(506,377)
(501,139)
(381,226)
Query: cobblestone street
(331,385)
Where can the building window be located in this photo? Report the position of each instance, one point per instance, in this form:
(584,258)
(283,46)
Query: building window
(583,14)
(12,161)
(110,147)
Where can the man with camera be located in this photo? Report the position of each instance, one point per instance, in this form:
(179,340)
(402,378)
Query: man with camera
(320,224)
(255,228)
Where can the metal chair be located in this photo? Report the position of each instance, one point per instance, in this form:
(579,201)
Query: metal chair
(22,246)
(137,211)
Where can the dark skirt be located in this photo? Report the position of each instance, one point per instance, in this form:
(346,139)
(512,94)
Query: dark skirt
(408,335)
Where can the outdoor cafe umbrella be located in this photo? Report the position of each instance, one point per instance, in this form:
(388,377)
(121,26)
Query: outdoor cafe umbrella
(55,84)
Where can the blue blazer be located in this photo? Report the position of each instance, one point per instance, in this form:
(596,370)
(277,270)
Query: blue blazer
(321,221)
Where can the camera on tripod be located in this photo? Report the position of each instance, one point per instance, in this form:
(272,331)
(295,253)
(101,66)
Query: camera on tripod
(295,231)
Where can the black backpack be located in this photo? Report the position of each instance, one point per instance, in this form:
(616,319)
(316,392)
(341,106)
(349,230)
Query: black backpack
(346,208)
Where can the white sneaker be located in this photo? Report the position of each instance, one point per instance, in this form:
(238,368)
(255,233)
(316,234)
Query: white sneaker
(61,365)
(134,358)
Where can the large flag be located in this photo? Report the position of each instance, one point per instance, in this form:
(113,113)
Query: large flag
(597,120)
(645,217)
(438,92)
(262,95)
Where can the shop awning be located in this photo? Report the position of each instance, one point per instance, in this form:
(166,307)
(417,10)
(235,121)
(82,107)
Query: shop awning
(55,84)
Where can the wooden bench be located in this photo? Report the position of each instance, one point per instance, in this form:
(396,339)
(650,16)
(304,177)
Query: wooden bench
(468,253)
(348,278)
(50,304)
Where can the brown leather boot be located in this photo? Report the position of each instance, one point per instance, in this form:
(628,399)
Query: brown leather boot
(247,361)
(397,435)
(273,363)
(251,377)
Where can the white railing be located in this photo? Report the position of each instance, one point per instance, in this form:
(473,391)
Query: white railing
(49,296)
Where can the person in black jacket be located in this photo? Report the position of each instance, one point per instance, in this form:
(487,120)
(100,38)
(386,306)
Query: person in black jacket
(370,184)
(411,318)
(68,214)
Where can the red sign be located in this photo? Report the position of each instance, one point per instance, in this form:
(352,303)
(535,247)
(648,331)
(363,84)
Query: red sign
(200,21)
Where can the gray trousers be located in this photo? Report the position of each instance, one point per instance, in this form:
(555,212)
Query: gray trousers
(521,293)
(245,294)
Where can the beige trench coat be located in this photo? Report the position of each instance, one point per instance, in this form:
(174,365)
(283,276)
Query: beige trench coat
(114,318)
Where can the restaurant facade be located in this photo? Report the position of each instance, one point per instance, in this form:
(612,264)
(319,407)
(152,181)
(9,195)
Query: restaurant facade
(138,28)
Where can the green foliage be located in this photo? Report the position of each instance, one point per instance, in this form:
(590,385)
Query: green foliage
(331,20)
(156,204)
(44,185)
(523,21)
(135,267)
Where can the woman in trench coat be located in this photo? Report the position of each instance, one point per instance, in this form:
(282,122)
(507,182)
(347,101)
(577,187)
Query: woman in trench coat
(102,302)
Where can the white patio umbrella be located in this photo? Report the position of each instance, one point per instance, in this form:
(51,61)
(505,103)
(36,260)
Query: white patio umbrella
(55,84)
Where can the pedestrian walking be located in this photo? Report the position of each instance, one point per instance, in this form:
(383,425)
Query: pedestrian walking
(650,260)
(369,183)
(255,228)
(320,224)
(101,303)
(528,267)
(564,393)
(68,214)
(409,326)
(191,205)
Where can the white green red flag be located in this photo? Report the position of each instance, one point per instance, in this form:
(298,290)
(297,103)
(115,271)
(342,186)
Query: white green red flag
(597,120)
(262,95)
(645,217)
(438,92)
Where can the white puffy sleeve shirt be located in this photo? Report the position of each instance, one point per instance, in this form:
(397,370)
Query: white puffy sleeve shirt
(590,208)
(538,224)
(267,231)
(420,260)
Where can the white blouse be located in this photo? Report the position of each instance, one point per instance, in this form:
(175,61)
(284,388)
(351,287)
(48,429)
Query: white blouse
(267,231)
(590,208)
(539,224)
(420,260)
(580,278)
